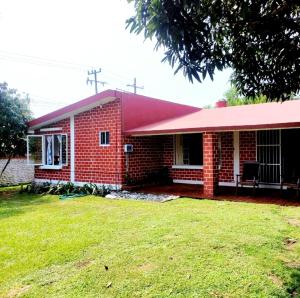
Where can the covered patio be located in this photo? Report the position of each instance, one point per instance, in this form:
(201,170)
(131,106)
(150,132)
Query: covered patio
(207,150)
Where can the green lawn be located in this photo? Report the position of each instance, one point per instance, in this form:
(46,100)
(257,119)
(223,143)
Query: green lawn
(182,248)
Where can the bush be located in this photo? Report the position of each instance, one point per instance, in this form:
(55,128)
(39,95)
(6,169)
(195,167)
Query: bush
(66,189)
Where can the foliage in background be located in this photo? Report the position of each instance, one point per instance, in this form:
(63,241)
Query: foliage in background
(234,98)
(259,40)
(15,113)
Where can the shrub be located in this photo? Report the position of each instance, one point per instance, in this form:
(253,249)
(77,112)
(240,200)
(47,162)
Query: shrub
(66,189)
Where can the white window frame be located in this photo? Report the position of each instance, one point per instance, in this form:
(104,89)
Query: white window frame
(105,137)
(43,144)
(177,142)
(43,165)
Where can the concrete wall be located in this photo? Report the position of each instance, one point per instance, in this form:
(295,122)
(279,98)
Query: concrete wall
(16,172)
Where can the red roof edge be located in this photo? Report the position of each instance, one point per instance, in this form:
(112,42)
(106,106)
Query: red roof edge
(73,107)
(136,132)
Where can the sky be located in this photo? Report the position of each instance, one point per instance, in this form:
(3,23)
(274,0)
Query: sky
(47,48)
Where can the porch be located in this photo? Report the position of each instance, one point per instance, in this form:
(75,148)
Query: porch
(207,162)
(263,196)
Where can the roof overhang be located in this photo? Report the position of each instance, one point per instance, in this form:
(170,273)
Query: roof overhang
(237,118)
(73,109)
(140,133)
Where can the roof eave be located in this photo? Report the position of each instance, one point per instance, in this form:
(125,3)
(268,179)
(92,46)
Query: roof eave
(213,129)
(73,109)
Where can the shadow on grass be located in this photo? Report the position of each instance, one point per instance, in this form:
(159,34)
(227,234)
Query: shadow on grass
(294,285)
(14,203)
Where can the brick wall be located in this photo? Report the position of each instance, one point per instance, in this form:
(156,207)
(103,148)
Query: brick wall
(227,151)
(147,156)
(16,172)
(247,147)
(95,163)
(107,164)
(178,174)
(210,163)
(64,173)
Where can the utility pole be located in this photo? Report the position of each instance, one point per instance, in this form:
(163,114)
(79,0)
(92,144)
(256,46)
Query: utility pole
(94,81)
(134,85)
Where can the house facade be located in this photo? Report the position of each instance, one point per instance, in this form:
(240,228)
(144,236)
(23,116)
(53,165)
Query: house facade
(114,137)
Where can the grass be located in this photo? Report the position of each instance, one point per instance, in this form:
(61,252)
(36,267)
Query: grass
(94,247)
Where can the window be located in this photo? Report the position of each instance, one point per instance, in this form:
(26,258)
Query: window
(189,149)
(104,138)
(35,150)
(55,150)
(48,150)
(268,151)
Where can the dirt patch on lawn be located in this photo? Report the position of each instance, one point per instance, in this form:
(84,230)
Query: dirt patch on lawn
(294,222)
(82,264)
(289,243)
(147,267)
(276,280)
(17,292)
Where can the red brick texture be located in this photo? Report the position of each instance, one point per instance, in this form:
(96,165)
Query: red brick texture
(64,173)
(210,164)
(147,156)
(247,147)
(178,174)
(227,151)
(93,162)
(107,164)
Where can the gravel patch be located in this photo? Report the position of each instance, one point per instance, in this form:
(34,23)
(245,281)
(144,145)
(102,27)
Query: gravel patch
(140,196)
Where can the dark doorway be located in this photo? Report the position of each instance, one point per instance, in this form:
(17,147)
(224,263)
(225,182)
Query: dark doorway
(290,154)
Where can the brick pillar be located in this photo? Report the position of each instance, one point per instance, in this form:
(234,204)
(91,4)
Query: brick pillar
(210,164)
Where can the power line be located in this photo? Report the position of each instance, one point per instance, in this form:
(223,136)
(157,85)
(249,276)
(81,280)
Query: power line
(35,60)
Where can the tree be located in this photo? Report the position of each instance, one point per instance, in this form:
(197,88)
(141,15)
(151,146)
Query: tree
(234,98)
(15,114)
(259,40)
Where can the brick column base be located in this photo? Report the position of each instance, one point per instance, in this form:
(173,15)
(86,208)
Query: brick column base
(210,164)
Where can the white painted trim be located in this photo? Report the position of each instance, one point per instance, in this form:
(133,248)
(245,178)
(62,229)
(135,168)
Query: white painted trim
(266,186)
(111,186)
(182,181)
(72,149)
(227,183)
(236,153)
(187,167)
(51,129)
(30,131)
(28,153)
(51,167)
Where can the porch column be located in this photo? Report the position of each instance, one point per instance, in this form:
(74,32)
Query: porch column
(210,164)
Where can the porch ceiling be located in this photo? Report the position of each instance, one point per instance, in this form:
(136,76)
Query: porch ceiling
(247,117)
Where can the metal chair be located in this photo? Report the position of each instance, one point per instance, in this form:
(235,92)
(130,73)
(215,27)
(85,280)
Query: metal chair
(250,176)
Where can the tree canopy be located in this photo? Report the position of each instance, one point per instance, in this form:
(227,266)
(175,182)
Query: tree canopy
(259,40)
(14,115)
(234,98)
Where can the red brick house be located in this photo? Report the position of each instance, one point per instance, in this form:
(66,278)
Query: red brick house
(113,135)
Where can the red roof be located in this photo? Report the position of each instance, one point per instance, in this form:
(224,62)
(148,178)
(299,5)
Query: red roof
(256,116)
(137,110)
